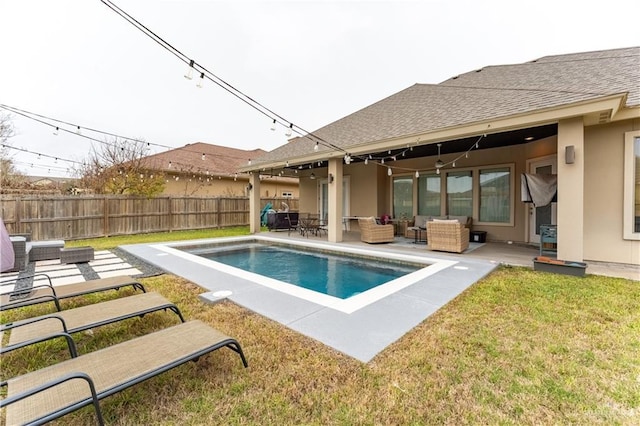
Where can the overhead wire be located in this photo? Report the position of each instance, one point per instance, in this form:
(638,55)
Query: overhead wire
(40,119)
(253,103)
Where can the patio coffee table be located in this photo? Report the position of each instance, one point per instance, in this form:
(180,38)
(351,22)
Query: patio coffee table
(76,254)
(419,234)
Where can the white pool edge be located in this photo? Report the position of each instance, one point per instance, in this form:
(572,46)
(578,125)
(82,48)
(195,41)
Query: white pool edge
(347,306)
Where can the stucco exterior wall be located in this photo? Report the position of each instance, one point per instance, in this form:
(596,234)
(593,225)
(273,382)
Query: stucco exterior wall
(603,197)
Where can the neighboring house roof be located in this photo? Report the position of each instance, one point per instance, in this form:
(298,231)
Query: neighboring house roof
(477,96)
(218,160)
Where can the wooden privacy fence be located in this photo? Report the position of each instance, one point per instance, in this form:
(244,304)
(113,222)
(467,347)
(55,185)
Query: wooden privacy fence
(78,217)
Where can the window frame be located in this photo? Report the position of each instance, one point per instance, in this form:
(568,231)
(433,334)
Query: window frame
(629,186)
(475,177)
(512,194)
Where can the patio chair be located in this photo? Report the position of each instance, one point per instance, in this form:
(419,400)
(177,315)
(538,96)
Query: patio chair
(447,235)
(372,233)
(52,392)
(42,292)
(33,330)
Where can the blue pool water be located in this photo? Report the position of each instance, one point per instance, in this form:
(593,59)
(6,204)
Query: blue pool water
(337,275)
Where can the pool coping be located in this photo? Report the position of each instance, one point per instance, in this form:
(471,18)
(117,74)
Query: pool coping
(361,333)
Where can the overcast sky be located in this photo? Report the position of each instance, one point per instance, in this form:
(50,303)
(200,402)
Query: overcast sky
(311,62)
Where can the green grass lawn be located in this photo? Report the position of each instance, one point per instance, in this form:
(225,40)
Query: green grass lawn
(518,347)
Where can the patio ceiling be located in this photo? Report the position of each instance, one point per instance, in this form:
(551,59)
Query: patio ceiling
(496,140)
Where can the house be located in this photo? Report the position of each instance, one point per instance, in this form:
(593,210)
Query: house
(461,147)
(203,169)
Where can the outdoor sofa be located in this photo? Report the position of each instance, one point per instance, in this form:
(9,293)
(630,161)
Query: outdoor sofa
(52,392)
(420,221)
(26,251)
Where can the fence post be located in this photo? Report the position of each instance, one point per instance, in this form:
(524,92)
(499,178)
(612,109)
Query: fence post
(218,214)
(18,225)
(105,209)
(170,200)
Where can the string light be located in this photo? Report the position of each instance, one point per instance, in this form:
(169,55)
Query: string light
(189,74)
(203,156)
(289,131)
(201,81)
(273,125)
(55,132)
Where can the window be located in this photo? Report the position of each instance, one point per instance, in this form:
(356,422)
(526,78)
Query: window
(403,196)
(495,195)
(631,214)
(636,179)
(459,193)
(429,195)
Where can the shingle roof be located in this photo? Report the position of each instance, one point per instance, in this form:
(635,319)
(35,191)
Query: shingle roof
(603,72)
(488,93)
(218,160)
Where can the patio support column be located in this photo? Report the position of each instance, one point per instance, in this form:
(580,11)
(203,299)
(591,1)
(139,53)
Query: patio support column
(254,203)
(571,189)
(334,207)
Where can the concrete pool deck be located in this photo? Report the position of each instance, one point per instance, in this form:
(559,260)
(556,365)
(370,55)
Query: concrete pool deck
(361,334)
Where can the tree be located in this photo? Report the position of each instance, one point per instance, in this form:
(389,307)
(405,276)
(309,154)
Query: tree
(119,167)
(10,177)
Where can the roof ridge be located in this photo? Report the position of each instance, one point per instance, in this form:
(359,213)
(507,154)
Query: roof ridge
(524,89)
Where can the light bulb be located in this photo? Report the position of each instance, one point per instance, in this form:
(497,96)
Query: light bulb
(55,132)
(315,148)
(438,171)
(289,130)
(189,74)
(78,131)
(201,81)
(273,125)
(366,161)
(203,157)
(389,172)
(417,174)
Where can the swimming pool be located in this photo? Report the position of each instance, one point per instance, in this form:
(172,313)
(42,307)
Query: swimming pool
(427,268)
(327,272)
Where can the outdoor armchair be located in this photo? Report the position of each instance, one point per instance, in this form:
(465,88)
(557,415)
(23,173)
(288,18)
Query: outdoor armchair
(371,232)
(52,392)
(447,235)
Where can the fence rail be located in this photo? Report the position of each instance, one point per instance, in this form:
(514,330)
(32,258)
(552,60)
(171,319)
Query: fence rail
(78,217)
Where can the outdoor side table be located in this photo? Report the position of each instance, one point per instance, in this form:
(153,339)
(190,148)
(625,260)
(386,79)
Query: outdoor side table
(76,254)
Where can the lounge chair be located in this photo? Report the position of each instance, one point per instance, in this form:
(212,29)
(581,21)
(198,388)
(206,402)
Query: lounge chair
(42,292)
(52,392)
(71,321)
